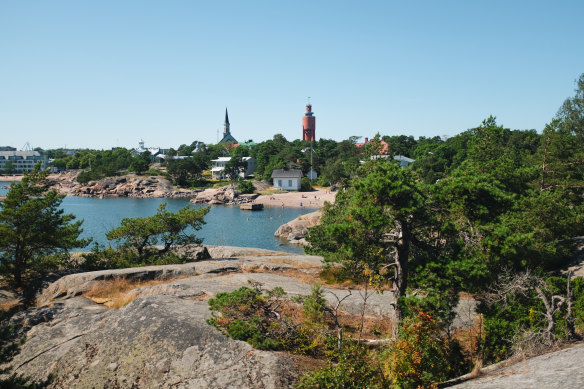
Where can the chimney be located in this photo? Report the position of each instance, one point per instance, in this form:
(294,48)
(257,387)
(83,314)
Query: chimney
(366,140)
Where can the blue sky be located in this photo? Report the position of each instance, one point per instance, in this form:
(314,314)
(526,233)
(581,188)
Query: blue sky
(99,74)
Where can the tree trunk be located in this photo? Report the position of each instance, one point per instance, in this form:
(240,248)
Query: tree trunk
(400,282)
(569,315)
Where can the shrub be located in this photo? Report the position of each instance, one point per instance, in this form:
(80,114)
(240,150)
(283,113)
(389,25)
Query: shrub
(314,306)
(355,368)
(421,357)
(245,187)
(305,184)
(251,315)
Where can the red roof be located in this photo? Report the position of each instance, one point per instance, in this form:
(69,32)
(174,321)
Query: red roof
(384,145)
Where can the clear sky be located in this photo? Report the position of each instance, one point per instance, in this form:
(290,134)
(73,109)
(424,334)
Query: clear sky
(98,74)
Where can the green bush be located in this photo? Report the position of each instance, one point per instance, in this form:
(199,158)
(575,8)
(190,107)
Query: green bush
(314,306)
(249,314)
(305,184)
(422,357)
(121,258)
(355,369)
(245,187)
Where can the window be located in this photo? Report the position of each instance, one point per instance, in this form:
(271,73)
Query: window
(289,183)
(280,183)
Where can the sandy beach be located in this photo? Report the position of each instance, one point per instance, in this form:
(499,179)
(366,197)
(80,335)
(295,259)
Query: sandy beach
(10,178)
(313,199)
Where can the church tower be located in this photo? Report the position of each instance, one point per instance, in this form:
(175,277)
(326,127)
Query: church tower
(308,124)
(227,138)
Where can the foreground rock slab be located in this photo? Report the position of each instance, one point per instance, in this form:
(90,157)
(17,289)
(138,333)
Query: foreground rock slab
(161,339)
(560,369)
(158,341)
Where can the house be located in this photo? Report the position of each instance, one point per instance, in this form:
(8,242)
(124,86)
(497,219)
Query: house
(154,151)
(252,166)
(403,160)
(312,174)
(22,161)
(383,144)
(218,169)
(287,179)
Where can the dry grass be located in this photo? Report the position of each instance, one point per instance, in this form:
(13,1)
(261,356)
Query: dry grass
(8,305)
(295,263)
(374,327)
(120,292)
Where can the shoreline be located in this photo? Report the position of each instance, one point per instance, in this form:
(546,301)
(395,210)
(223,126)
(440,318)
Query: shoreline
(10,178)
(311,200)
(66,185)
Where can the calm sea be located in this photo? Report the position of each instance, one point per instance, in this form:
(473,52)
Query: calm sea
(226,225)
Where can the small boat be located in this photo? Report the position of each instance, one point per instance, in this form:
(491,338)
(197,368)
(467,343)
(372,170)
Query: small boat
(251,207)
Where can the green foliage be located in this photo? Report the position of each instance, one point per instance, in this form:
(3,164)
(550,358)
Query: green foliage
(355,368)
(167,228)
(35,233)
(523,312)
(244,315)
(245,187)
(251,314)
(101,164)
(102,258)
(234,167)
(422,357)
(305,184)
(9,168)
(314,306)
(140,163)
(188,171)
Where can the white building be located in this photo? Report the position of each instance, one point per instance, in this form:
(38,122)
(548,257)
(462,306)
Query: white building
(252,166)
(154,151)
(218,169)
(22,161)
(287,179)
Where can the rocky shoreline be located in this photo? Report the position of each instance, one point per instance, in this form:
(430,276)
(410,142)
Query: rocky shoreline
(295,231)
(131,186)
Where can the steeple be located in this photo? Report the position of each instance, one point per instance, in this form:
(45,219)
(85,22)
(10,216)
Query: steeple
(227,138)
(226,124)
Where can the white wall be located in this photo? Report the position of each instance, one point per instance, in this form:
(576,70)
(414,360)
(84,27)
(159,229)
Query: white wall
(287,183)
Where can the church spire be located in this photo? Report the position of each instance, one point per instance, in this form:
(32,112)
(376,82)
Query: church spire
(226,124)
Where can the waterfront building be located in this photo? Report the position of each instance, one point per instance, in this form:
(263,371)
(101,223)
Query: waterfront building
(22,161)
(218,169)
(287,179)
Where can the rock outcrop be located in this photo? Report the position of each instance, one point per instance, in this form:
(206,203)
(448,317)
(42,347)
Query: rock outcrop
(560,369)
(296,230)
(226,195)
(161,338)
(125,186)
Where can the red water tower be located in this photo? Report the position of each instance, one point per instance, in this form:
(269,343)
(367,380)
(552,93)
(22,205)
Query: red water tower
(308,124)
